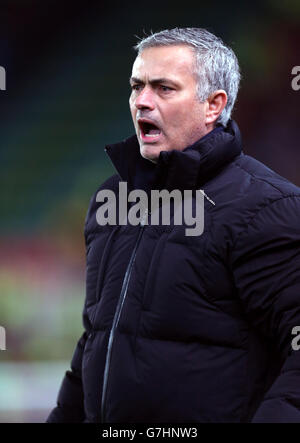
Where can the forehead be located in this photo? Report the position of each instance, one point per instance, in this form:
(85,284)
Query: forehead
(164,61)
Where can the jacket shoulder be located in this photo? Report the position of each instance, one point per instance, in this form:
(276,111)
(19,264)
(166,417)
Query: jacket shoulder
(262,176)
(248,193)
(272,206)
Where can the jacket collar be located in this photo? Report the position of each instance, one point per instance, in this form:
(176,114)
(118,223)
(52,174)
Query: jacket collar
(187,169)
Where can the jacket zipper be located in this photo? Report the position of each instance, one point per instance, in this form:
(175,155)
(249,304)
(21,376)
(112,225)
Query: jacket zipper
(117,315)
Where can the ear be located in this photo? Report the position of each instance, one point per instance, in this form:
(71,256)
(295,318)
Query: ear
(216,102)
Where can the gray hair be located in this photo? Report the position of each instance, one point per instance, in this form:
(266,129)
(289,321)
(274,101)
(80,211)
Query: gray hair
(216,64)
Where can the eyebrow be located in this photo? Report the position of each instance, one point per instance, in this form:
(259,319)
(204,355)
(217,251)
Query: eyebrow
(152,82)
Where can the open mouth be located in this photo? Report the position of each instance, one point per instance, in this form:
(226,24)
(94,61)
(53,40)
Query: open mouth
(149,130)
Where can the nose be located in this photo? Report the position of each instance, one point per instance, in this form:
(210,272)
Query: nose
(145,99)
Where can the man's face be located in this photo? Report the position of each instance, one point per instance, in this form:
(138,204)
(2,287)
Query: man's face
(165,110)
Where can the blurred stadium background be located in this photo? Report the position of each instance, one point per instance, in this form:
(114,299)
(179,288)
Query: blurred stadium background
(67,68)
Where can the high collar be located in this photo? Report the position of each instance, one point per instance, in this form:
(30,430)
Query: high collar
(186,169)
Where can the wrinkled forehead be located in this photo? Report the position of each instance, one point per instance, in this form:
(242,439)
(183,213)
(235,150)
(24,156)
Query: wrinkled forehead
(162,61)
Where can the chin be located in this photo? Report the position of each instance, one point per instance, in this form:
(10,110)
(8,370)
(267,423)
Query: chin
(149,154)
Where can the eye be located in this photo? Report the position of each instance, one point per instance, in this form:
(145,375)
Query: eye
(165,88)
(136,87)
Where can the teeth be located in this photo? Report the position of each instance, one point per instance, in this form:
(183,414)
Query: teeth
(152,135)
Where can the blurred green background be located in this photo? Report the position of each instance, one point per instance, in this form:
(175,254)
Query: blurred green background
(67,68)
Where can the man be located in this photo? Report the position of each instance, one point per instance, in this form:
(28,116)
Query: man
(199,328)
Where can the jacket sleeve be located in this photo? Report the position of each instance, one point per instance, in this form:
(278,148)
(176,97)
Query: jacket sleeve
(70,400)
(266,269)
(70,397)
